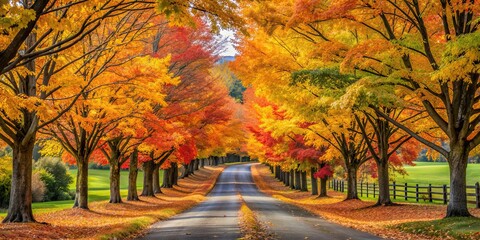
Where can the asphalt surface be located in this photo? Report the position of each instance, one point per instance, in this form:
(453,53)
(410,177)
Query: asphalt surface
(217,216)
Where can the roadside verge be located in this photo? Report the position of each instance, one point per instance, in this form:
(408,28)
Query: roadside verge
(382,221)
(121,221)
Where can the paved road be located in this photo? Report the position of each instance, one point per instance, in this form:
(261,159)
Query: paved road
(217,217)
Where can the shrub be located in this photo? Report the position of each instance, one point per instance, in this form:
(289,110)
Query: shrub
(54,173)
(5,181)
(38,187)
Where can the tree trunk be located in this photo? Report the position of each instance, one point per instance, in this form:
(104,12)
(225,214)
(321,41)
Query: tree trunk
(292,179)
(174,174)
(191,166)
(186,171)
(168,178)
(132,177)
(20,207)
(314,181)
(148,179)
(352,182)
(278,172)
(197,164)
(115,196)
(323,187)
(304,181)
(156,180)
(457,161)
(81,188)
(383,184)
(202,162)
(297,180)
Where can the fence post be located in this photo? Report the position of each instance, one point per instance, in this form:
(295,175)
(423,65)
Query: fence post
(373,190)
(406,189)
(477,195)
(367,189)
(361,188)
(394,191)
(416,192)
(444,194)
(430,193)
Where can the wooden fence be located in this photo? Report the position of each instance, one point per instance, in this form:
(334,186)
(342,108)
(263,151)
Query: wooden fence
(411,192)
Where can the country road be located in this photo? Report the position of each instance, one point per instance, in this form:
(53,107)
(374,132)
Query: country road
(217,217)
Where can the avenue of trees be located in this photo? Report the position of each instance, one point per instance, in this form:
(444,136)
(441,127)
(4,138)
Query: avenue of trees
(128,84)
(362,84)
(133,85)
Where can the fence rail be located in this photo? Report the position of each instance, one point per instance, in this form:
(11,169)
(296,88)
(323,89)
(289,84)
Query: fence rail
(410,192)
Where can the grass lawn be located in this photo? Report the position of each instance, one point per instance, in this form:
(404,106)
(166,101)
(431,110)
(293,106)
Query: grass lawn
(456,228)
(98,190)
(436,173)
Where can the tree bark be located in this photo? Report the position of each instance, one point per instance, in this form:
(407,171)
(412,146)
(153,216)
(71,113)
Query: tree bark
(81,188)
(383,184)
(132,177)
(197,164)
(286,180)
(168,178)
(278,173)
(303,175)
(457,161)
(314,181)
(185,172)
(191,166)
(175,174)
(148,179)
(156,179)
(352,182)
(115,196)
(292,179)
(298,180)
(323,187)
(20,207)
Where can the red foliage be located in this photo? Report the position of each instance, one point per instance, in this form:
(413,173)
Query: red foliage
(324,172)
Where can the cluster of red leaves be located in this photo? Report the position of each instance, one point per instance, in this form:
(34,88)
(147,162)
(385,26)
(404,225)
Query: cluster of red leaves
(104,218)
(324,172)
(353,213)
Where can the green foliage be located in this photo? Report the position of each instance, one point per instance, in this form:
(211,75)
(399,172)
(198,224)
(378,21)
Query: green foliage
(460,59)
(451,228)
(329,79)
(5,181)
(94,165)
(54,173)
(236,90)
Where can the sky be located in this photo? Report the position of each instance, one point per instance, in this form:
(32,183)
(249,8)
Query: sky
(229,48)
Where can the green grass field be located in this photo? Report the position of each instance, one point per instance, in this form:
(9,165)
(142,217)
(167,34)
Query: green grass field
(98,190)
(435,173)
